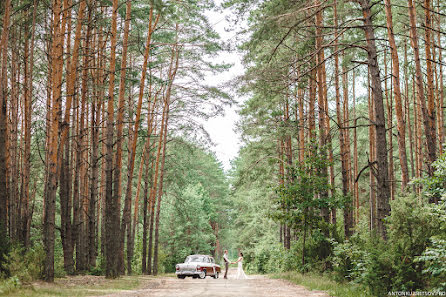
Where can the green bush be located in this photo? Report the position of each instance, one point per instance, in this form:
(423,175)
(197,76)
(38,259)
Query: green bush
(4,250)
(390,265)
(348,261)
(10,284)
(434,257)
(26,265)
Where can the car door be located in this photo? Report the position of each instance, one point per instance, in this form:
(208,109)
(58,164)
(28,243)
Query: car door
(209,268)
(213,265)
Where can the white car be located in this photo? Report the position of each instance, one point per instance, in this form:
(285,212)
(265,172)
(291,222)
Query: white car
(198,266)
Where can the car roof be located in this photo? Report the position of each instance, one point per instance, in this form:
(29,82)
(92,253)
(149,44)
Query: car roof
(199,255)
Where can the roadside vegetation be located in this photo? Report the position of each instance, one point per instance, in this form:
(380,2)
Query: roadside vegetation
(324,283)
(86,285)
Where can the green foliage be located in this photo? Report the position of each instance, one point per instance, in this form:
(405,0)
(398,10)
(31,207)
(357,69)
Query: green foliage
(434,257)
(395,264)
(314,281)
(434,186)
(301,199)
(26,265)
(196,201)
(4,250)
(297,201)
(10,284)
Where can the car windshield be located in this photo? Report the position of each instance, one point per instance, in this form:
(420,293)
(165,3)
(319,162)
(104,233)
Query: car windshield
(194,259)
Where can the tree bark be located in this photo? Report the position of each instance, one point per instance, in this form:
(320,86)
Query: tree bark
(111,204)
(117,191)
(172,74)
(401,125)
(382,170)
(3,123)
(126,219)
(50,195)
(323,134)
(428,118)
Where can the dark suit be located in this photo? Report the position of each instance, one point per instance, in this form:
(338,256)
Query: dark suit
(226,265)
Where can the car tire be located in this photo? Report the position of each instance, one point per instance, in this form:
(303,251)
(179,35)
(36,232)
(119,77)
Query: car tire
(181,276)
(202,274)
(216,275)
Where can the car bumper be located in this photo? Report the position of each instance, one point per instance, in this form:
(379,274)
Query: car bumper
(187,273)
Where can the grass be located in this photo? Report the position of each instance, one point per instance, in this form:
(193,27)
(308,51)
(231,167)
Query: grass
(76,286)
(320,282)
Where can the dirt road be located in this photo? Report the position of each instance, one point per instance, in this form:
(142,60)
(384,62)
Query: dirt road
(255,286)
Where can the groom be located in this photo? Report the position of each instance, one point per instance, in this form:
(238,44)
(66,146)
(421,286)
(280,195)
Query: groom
(225,258)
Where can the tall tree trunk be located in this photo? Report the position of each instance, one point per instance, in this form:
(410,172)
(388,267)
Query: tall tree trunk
(25,193)
(126,219)
(117,191)
(431,112)
(382,170)
(401,125)
(288,150)
(341,122)
(172,74)
(300,96)
(355,153)
(145,219)
(428,118)
(323,134)
(348,224)
(69,198)
(409,125)
(50,195)
(372,151)
(111,204)
(15,204)
(441,85)
(3,125)
(311,107)
(83,235)
(389,106)
(14,201)
(92,222)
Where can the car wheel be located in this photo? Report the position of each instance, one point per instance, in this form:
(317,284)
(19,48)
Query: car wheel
(216,275)
(181,276)
(202,274)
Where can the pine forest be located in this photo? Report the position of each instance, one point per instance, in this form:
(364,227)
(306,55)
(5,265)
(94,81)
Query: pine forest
(110,165)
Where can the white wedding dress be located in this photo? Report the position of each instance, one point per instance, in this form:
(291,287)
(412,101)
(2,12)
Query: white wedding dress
(240,273)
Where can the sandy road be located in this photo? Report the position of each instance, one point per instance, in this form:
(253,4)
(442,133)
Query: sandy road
(255,286)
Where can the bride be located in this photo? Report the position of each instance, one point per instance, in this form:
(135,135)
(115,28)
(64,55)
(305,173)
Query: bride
(240,273)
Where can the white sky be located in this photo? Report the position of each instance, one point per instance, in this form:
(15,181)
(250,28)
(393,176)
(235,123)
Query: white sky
(222,129)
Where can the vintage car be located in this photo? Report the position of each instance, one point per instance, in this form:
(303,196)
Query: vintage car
(198,266)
